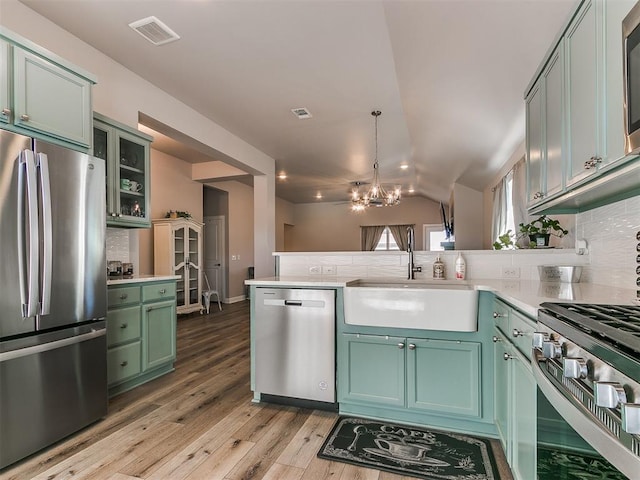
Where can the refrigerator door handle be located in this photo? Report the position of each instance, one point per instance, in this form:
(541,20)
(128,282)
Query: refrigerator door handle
(45,347)
(27,217)
(47,256)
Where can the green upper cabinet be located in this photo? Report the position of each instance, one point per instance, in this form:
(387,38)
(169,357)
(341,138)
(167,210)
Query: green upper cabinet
(5,84)
(545,139)
(580,141)
(43,95)
(126,152)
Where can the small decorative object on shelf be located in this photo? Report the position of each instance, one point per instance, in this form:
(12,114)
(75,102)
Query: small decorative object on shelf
(538,231)
(177,214)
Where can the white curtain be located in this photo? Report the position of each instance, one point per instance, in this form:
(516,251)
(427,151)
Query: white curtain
(499,216)
(519,190)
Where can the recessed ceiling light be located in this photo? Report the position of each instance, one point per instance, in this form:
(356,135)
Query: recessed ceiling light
(318,195)
(282,176)
(404,166)
(301,113)
(411,190)
(154,30)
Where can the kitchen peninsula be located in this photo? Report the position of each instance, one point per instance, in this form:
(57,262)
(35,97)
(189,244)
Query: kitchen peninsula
(406,374)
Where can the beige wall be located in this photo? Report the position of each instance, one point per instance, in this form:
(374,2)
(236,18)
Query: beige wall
(122,95)
(325,227)
(240,234)
(171,189)
(467,218)
(284,218)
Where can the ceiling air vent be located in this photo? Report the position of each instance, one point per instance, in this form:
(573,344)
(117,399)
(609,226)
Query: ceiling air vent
(301,113)
(154,30)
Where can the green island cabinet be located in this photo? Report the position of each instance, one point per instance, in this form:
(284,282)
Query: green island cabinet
(515,389)
(43,95)
(574,116)
(126,152)
(406,375)
(141,333)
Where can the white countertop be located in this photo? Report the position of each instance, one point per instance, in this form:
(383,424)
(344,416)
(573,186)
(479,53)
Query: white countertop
(526,295)
(141,278)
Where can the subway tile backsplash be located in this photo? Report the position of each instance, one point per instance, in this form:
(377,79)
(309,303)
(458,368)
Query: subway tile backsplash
(611,235)
(118,244)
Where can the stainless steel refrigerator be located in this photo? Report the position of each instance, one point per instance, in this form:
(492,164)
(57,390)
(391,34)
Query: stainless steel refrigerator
(53,372)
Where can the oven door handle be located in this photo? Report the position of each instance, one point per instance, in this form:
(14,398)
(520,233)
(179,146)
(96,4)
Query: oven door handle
(580,420)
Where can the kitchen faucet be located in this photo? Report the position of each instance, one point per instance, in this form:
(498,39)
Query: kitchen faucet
(410,248)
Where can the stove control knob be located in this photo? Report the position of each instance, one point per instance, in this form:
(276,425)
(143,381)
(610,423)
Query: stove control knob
(539,338)
(551,349)
(631,418)
(608,394)
(574,368)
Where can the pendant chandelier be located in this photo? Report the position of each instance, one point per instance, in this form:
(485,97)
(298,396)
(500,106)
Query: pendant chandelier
(376,195)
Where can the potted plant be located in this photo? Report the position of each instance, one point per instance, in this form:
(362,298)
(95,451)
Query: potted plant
(540,230)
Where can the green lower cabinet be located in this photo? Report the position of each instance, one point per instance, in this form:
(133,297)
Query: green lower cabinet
(408,373)
(502,405)
(141,333)
(373,369)
(523,462)
(159,331)
(430,386)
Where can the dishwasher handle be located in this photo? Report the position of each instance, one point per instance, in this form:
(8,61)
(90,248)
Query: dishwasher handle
(279,302)
(295,303)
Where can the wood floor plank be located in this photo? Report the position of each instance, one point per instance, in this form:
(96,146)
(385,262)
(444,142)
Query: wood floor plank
(351,472)
(278,471)
(319,468)
(222,461)
(304,446)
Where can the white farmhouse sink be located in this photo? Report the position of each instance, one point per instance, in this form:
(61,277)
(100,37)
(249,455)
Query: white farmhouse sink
(414,304)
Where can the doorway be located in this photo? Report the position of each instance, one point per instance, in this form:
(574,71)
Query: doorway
(214,264)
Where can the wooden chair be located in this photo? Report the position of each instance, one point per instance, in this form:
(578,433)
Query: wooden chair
(207,292)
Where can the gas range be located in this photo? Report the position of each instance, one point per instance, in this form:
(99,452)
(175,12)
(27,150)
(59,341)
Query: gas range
(590,354)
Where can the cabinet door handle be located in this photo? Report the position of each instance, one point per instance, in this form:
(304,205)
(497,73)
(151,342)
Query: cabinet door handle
(518,333)
(24,117)
(401,345)
(124,325)
(162,291)
(498,315)
(124,364)
(592,162)
(412,346)
(538,195)
(496,339)
(124,296)
(506,356)
(6,111)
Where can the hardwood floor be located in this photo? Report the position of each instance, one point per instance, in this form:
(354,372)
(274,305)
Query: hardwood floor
(198,422)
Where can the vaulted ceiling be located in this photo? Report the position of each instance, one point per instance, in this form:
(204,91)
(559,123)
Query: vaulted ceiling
(448,75)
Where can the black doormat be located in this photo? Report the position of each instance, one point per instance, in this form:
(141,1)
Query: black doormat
(554,464)
(411,451)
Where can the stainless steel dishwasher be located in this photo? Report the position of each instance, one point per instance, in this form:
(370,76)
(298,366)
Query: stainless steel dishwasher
(295,343)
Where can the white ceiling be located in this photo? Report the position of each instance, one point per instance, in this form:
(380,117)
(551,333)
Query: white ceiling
(448,75)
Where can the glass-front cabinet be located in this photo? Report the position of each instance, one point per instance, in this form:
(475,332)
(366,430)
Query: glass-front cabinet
(126,152)
(178,251)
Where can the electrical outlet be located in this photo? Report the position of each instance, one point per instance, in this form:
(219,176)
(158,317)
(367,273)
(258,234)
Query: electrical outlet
(328,269)
(315,270)
(510,272)
(233,257)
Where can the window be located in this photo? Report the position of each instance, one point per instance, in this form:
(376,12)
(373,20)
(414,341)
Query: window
(511,224)
(434,234)
(387,241)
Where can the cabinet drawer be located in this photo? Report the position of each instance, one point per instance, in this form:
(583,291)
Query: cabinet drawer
(123,325)
(123,362)
(158,291)
(501,316)
(521,333)
(123,296)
